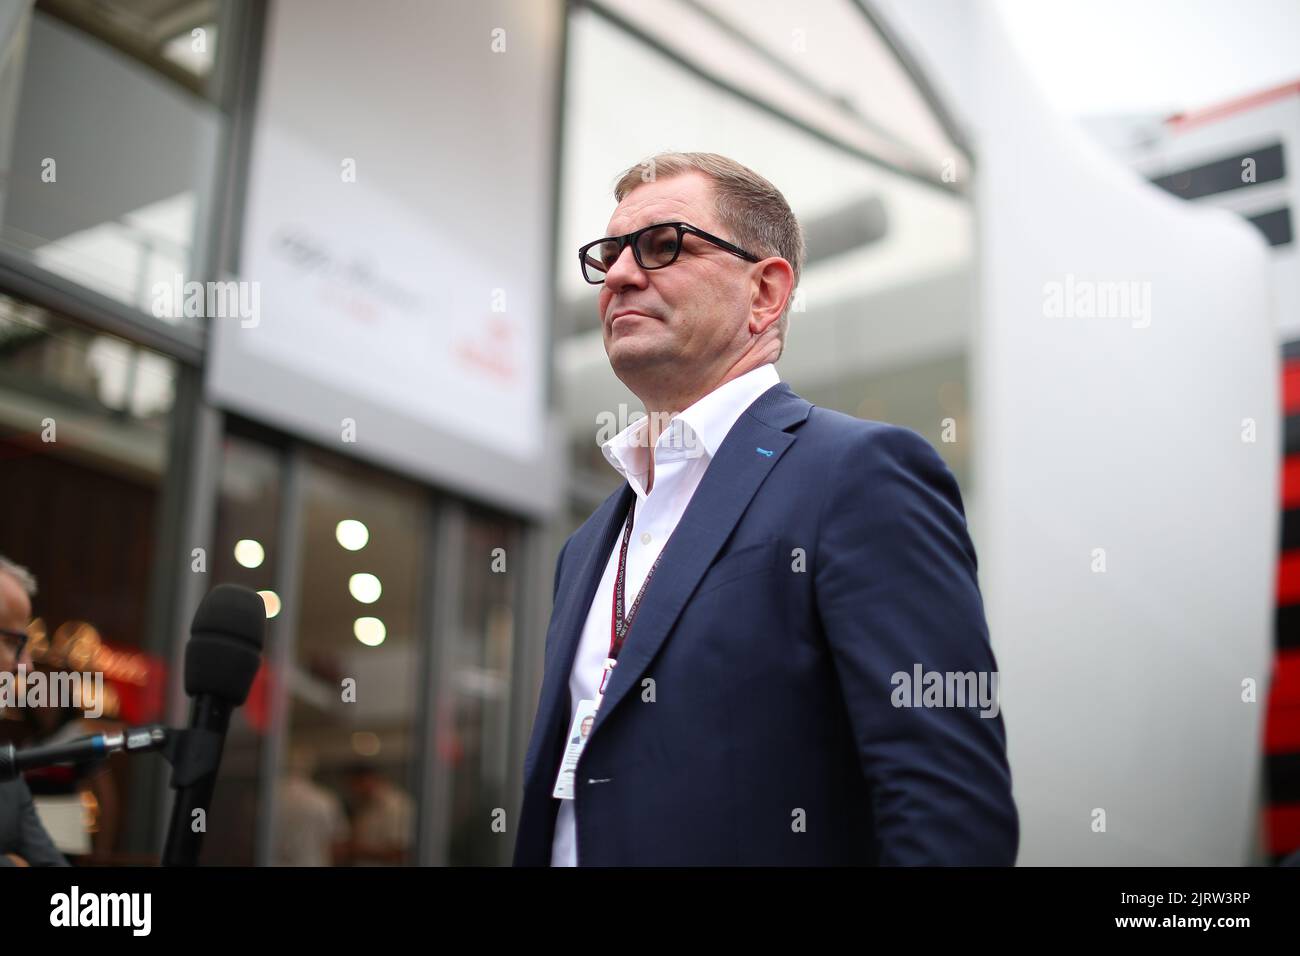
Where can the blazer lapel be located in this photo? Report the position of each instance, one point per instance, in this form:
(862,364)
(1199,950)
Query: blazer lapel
(569,617)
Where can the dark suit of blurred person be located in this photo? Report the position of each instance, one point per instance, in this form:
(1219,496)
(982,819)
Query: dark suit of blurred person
(23,840)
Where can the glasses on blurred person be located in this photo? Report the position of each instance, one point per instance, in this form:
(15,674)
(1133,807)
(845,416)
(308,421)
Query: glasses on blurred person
(654,247)
(14,642)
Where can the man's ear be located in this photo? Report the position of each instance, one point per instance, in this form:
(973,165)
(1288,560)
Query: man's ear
(772,286)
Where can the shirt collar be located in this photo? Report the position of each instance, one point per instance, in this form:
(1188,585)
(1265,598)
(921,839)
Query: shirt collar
(696,431)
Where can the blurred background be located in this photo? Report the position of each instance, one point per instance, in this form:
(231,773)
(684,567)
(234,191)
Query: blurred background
(1055,238)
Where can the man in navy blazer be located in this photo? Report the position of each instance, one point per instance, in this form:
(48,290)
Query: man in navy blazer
(807,677)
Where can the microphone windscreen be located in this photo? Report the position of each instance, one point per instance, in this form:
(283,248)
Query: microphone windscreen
(225,645)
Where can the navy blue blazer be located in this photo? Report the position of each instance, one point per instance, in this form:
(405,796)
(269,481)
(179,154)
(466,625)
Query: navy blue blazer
(751,718)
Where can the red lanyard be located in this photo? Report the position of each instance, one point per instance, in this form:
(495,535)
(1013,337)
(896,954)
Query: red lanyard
(618,625)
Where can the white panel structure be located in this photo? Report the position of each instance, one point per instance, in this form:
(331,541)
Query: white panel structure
(1125,398)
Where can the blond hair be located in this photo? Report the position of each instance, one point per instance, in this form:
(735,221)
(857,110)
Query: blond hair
(751,211)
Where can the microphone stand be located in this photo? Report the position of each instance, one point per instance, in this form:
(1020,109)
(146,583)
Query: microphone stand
(194,755)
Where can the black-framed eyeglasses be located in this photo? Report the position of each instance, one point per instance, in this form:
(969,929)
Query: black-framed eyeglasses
(654,247)
(18,637)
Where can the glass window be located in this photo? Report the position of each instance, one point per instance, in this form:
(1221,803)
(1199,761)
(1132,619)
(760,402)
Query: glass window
(83,450)
(177,40)
(246,549)
(474,699)
(108,156)
(348,791)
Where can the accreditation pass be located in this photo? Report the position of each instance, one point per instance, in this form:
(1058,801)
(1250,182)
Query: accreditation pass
(579,731)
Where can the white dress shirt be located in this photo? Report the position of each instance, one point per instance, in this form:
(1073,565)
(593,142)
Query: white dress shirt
(681,456)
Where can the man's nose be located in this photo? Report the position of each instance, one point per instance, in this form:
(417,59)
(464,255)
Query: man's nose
(625,271)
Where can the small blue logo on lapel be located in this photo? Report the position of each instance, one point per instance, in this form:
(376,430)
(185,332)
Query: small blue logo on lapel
(764,451)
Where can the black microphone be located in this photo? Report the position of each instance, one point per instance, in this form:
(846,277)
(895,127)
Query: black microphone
(221,661)
(82,750)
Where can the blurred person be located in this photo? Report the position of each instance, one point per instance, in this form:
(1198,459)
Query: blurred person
(383,821)
(311,826)
(745,706)
(23,838)
(91,780)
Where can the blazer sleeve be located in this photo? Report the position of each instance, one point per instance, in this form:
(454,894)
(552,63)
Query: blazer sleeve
(896,586)
(34,844)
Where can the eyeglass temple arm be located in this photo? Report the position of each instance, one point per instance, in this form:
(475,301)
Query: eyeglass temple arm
(733,249)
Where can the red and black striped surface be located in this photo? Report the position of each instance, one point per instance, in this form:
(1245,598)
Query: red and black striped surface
(1282,718)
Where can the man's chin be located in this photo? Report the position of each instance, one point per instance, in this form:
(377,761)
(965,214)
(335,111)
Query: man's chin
(631,352)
